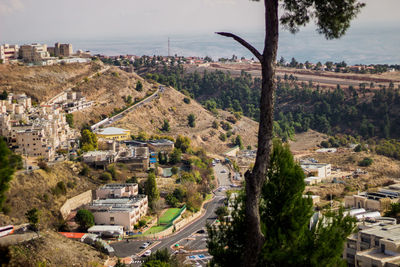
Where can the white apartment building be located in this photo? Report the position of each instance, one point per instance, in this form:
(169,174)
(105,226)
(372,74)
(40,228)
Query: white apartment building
(8,52)
(321,170)
(119,211)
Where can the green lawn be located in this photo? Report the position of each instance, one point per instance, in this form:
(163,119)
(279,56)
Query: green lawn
(169,215)
(155,229)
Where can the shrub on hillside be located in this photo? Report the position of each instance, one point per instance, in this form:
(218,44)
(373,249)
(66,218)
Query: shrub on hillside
(105,176)
(365,162)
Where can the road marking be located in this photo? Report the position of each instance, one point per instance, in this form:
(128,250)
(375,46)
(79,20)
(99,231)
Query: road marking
(149,247)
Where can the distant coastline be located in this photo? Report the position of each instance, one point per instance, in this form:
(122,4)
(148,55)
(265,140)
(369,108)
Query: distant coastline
(361,45)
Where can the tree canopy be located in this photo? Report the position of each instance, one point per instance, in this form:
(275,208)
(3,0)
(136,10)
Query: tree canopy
(292,236)
(84,218)
(6,170)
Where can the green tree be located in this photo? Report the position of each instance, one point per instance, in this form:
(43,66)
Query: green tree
(32,216)
(166,127)
(365,162)
(183,143)
(70,119)
(291,237)
(191,120)
(238,142)
(88,140)
(84,218)
(176,156)
(120,264)
(4,95)
(221,212)
(215,124)
(394,211)
(151,188)
(139,86)
(161,258)
(332,19)
(6,171)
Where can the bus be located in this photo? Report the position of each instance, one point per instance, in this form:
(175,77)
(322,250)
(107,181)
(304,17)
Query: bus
(6,230)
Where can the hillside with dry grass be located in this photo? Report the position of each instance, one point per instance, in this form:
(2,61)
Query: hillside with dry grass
(42,83)
(51,249)
(150,117)
(38,189)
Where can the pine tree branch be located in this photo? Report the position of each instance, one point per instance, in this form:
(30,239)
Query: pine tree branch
(244,43)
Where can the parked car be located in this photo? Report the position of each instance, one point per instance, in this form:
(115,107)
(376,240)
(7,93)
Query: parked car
(145,245)
(223,171)
(147,253)
(201,231)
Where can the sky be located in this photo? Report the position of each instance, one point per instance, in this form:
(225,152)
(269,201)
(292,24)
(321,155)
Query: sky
(49,19)
(26,21)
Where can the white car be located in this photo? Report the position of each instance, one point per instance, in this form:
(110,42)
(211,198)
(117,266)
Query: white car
(147,253)
(145,245)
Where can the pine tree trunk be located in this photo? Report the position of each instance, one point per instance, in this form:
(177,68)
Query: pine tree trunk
(255,179)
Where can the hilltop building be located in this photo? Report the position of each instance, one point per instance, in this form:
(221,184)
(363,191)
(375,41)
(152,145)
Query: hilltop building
(60,50)
(34,52)
(8,52)
(114,133)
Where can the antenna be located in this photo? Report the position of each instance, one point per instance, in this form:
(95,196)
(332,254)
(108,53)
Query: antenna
(169,54)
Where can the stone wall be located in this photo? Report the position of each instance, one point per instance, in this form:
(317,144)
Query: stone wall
(76,202)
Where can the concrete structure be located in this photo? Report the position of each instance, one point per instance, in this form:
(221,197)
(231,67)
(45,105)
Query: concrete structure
(8,52)
(33,52)
(377,243)
(375,201)
(76,202)
(99,158)
(137,158)
(117,191)
(320,170)
(113,133)
(312,180)
(163,145)
(119,211)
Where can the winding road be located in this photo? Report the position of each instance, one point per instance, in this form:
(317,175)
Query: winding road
(125,249)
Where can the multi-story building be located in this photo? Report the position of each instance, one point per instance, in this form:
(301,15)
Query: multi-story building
(60,50)
(33,142)
(377,243)
(379,200)
(117,190)
(38,135)
(321,170)
(33,52)
(119,211)
(8,52)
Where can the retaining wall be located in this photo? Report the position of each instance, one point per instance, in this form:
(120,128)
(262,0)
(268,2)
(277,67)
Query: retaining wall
(76,202)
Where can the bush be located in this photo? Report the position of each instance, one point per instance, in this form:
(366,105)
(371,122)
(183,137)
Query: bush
(85,219)
(142,223)
(59,189)
(358,148)
(186,100)
(43,165)
(365,162)
(139,86)
(174,170)
(191,120)
(85,171)
(325,144)
(222,137)
(105,176)
(215,125)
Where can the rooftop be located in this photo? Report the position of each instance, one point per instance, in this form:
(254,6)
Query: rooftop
(101,228)
(113,131)
(115,186)
(161,142)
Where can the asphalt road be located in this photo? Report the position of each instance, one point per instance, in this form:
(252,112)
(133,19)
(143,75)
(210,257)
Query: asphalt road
(125,249)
